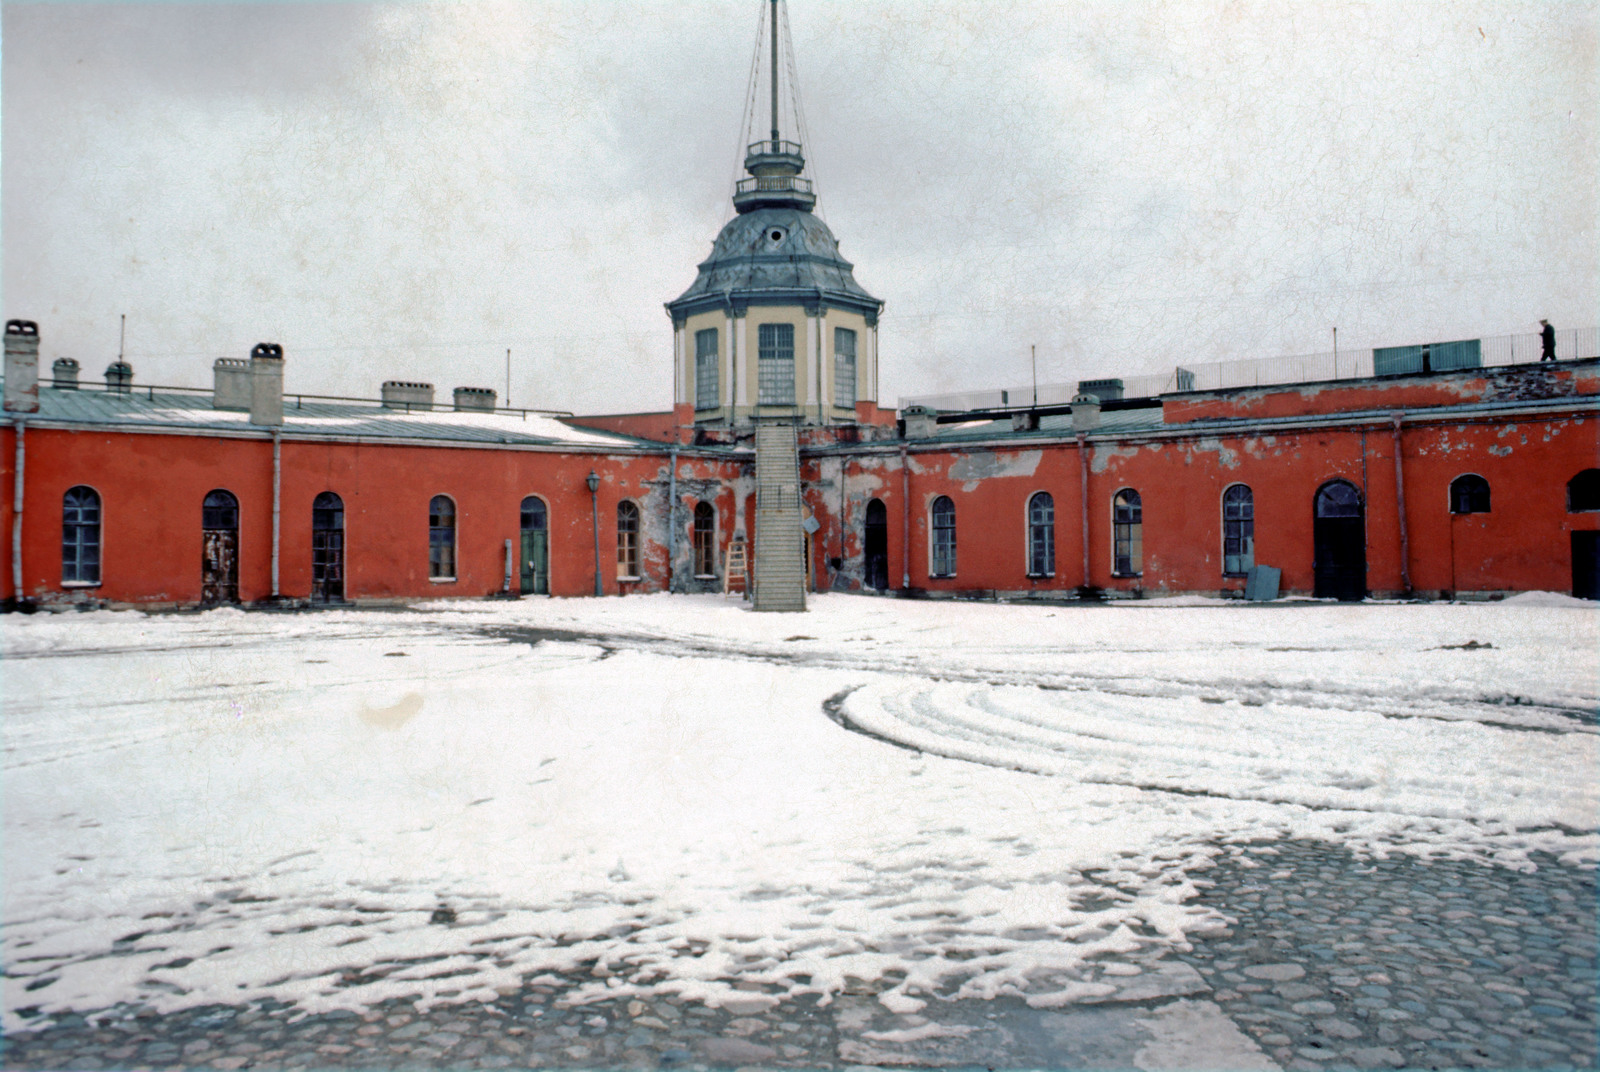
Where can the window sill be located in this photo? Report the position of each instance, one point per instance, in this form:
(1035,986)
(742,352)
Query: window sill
(81,584)
(1041,576)
(441,580)
(1126,576)
(941,576)
(1237,576)
(629,580)
(705,576)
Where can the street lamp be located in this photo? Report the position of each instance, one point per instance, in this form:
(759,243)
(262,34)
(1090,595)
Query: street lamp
(593,480)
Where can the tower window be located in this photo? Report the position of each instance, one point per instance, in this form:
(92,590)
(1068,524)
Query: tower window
(844,367)
(1127,533)
(775,364)
(705,369)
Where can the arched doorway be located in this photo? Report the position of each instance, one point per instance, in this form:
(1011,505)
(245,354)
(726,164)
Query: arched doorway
(219,543)
(1339,539)
(875,547)
(535,547)
(327,548)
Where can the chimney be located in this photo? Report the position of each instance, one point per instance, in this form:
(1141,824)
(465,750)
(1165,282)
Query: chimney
(230,384)
(475,400)
(920,421)
(65,374)
(22,366)
(403,394)
(266,383)
(119,377)
(1085,412)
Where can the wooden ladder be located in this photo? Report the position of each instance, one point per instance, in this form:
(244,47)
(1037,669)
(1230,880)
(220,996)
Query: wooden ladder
(734,567)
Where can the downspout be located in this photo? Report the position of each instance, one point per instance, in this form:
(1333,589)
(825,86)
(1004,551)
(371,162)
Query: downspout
(672,519)
(1083,500)
(594,521)
(277,504)
(905,520)
(16,519)
(1400,505)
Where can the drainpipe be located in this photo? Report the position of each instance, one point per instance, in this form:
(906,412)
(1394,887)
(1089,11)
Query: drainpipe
(277,504)
(905,520)
(1083,500)
(16,519)
(1400,505)
(593,480)
(672,518)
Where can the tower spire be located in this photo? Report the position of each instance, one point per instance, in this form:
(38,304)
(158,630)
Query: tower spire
(774,165)
(773,71)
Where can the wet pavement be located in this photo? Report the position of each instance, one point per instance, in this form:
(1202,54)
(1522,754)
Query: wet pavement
(1330,961)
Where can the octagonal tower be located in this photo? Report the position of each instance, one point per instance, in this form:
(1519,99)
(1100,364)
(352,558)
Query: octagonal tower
(775,324)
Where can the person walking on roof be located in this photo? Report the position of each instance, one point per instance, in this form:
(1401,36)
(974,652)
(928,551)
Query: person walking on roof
(1548,337)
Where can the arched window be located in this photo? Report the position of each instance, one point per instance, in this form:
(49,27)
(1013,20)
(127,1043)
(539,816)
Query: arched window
(1338,498)
(705,540)
(627,541)
(1238,530)
(441,539)
(1041,535)
(219,535)
(1583,492)
(1469,494)
(327,548)
(1127,533)
(944,537)
(80,536)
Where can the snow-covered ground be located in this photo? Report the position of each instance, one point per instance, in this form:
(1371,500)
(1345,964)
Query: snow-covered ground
(673,793)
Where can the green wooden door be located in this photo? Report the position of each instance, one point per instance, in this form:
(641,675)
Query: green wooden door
(535,579)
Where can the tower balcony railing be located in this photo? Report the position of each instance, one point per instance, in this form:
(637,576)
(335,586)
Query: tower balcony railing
(773,148)
(773,184)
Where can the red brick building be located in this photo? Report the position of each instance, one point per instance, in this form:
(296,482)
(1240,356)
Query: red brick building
(1465,482)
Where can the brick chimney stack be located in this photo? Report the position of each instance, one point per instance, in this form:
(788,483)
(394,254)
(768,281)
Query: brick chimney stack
(22,366)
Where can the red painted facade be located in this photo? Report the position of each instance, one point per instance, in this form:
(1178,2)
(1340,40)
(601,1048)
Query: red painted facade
(1526,430)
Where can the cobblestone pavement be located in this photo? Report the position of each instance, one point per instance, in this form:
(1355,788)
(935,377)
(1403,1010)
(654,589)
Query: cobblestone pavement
(1332,963)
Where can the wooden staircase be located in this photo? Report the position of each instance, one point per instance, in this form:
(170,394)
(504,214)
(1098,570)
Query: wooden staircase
(780,568)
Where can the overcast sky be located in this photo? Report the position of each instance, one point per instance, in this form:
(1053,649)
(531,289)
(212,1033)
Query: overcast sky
(406,191)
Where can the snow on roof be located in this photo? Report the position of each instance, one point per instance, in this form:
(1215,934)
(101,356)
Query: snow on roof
(153,407)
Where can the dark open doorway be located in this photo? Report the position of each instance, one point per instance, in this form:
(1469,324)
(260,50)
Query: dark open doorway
(1339,538)
(327,548)
(1586,565)
(875,547)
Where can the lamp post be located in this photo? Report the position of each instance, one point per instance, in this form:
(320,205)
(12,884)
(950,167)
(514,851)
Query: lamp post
(593,480)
